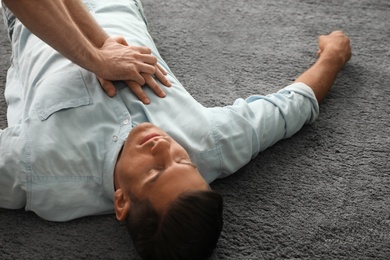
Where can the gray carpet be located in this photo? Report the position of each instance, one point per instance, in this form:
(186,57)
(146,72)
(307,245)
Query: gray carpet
(322,194)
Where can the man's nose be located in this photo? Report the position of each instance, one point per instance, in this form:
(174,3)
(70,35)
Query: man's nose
(161,150)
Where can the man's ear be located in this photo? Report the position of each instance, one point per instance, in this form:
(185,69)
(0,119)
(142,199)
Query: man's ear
(121,204)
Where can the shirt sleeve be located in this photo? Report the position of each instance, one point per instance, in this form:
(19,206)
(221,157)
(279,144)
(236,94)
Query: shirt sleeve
(252,125)
(12,173)
(280,115)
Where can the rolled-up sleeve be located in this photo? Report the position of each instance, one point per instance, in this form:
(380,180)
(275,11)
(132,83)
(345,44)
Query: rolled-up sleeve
(282,114)
(250,126)
(12,168)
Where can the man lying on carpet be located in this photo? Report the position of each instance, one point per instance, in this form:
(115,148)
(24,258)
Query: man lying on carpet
(70,150)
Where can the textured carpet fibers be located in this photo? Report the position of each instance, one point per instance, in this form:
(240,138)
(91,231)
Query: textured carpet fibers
(322,194)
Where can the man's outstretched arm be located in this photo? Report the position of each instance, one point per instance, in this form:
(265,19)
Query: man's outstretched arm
(70,29)
(334,52)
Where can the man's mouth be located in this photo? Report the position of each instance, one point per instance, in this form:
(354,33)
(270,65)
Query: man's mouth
(149,137)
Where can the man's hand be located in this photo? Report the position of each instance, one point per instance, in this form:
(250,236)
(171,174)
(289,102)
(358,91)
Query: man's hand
(136,88)
(118,61)
(335,45)
(150,82)
(133,64)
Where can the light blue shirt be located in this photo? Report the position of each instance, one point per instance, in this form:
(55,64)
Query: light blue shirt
(58,153)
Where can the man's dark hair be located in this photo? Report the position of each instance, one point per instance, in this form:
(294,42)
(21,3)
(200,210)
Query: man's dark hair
(188,229)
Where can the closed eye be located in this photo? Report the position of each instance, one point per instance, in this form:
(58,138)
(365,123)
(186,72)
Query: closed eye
(157,172)
(187,162)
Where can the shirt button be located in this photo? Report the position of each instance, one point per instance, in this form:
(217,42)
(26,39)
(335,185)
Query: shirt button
(126,121)
(115,138)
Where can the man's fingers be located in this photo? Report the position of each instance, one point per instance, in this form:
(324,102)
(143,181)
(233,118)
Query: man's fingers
(146,68)
(153,85)
(163,71)
(337,43)
(108,86)
(337,32)
(137,77)
(147,58)
(138,91)
(143,49)
(161,76)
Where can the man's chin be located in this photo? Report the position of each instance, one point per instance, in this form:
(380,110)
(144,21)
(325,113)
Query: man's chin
(137,134)
(140,128)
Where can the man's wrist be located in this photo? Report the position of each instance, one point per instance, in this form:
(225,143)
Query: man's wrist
(94,61)
(333,59)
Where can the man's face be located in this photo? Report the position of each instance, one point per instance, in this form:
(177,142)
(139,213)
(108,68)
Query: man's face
(154,166)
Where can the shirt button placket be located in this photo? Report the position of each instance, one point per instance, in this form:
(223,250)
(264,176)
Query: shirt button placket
(126,127)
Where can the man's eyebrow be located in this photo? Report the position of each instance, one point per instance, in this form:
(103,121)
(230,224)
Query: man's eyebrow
(154,178)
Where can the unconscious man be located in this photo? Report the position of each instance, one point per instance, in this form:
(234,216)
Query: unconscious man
(81,141)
